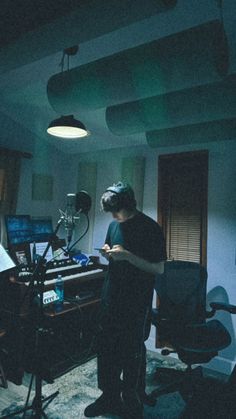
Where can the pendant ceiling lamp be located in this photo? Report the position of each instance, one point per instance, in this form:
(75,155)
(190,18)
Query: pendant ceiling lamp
(67,127)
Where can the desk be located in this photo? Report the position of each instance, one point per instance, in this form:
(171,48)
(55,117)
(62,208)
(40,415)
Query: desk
(52,310)
(72,329)
(72,338)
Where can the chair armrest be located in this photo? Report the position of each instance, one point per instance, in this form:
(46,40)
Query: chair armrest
(223,306)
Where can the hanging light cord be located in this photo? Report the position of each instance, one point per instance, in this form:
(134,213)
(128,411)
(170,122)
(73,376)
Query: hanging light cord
(68,51)
(62,61)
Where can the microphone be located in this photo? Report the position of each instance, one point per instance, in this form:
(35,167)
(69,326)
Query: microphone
(69,220)
(83,202)
(75,205)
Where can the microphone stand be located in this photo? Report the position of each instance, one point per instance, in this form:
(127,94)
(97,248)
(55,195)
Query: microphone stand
(37,403)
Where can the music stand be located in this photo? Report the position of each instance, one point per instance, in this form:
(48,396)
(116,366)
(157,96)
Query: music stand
(38,401)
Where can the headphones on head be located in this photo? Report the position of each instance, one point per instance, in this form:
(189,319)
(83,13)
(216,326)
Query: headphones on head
(120,188)
(124,194)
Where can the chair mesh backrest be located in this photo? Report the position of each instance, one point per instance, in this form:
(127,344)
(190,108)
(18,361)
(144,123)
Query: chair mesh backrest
(182,292)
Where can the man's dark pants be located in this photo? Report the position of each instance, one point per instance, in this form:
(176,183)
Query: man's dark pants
(121,348)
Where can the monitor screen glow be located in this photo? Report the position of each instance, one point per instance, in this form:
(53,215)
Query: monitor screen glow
(24,229)
(18,229)
(42,229)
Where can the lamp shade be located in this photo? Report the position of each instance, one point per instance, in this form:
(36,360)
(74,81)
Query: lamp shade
(67,127)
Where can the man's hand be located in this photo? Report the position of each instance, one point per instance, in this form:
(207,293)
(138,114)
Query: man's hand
(104,251)
(118,252)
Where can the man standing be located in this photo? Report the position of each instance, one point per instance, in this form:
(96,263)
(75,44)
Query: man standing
(136,252)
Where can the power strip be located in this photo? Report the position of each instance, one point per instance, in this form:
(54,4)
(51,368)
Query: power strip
(49,297)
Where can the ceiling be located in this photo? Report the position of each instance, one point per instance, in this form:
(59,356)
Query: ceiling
(144,71)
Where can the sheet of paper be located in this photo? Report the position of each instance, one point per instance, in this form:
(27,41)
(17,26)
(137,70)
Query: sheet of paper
(40,248)
(5,261)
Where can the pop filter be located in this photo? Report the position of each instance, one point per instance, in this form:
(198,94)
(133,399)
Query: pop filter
(83,202)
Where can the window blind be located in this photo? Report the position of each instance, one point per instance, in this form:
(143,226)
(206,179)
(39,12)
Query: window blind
(182,205)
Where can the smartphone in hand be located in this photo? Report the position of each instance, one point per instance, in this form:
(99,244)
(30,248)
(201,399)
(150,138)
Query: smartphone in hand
(100,249)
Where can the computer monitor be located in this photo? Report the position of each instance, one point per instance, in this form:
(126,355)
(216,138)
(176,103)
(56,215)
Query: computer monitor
(18,229)
(42,229)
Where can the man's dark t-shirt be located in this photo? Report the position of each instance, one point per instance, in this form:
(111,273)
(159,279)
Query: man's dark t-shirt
(128,290)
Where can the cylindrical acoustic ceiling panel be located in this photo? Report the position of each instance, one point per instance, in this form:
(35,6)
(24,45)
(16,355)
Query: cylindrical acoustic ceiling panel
(224,129)
(188,58)
(189,106)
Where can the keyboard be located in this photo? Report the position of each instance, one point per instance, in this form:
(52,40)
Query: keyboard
(62,269)
(75,276)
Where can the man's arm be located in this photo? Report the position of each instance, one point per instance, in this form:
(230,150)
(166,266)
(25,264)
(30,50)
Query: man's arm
(119,253)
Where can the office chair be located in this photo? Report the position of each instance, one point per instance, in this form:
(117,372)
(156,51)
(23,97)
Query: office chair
(182,326)
(217,401)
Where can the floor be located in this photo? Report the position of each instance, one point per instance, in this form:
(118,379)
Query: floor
(78,388)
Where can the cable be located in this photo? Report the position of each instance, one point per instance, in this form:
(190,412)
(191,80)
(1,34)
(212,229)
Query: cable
(80,361)
(61,64)
(74,244)
(86,230)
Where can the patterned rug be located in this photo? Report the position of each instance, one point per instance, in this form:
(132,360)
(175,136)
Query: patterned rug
(78,388)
